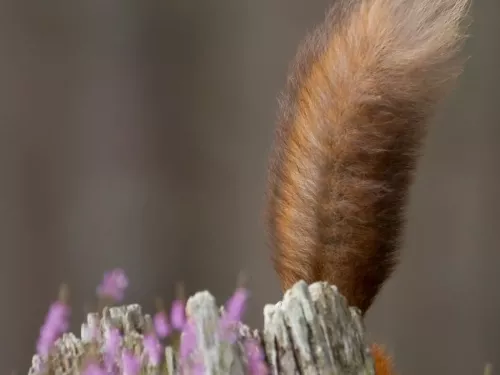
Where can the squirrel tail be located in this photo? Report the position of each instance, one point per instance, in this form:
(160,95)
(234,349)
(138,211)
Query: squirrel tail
(351,121)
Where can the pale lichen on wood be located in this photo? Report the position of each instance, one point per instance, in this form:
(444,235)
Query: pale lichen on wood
(311,331)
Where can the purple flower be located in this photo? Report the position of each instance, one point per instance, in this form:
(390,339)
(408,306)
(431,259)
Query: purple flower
(153,349)
(235,306)
(56,323)
(111,346)
(131,364)
(45,341)
(58,315)
(113,285)
(255,357)
(228,329)
(230,319)
(162,327)
(178,315)
(198,369)
(113,340)
(253,349)
(94,369)
(189,358)
(259,368)
(188,341)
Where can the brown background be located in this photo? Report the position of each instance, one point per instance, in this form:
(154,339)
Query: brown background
(136,133)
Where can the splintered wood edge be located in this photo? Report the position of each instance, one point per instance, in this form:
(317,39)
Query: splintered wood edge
(311,330)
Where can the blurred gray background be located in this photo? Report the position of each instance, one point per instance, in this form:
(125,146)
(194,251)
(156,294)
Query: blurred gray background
(136,134)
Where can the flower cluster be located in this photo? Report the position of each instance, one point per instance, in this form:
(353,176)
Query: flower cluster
(56,323)
(113,285)
(115,359)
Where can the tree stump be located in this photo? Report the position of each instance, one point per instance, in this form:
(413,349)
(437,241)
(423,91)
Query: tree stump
(311,331)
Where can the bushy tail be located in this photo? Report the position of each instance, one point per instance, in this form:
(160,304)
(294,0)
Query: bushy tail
(352,118)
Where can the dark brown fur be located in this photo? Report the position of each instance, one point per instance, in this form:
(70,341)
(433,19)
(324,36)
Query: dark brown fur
(351,122)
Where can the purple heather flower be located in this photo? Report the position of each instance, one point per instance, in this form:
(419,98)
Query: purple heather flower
(233,311)
(198,369)
(162,327)
(113,285)
(45,342)
(153,349)
(58,315)
(188,341)
(56,323)
(253,349)
(228,329)
(178,315)
(255,356)
(113,340)
(131,363)
(111,346)
(259,368)
(94,369)
(236,305)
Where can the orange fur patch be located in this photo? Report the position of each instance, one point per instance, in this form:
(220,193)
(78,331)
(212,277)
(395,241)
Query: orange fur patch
(383,363)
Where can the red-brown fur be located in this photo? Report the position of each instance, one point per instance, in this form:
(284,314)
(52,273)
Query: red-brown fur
(351,121)
(383,363)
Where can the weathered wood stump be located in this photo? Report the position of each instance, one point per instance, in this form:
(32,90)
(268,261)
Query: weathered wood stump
(311,331)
